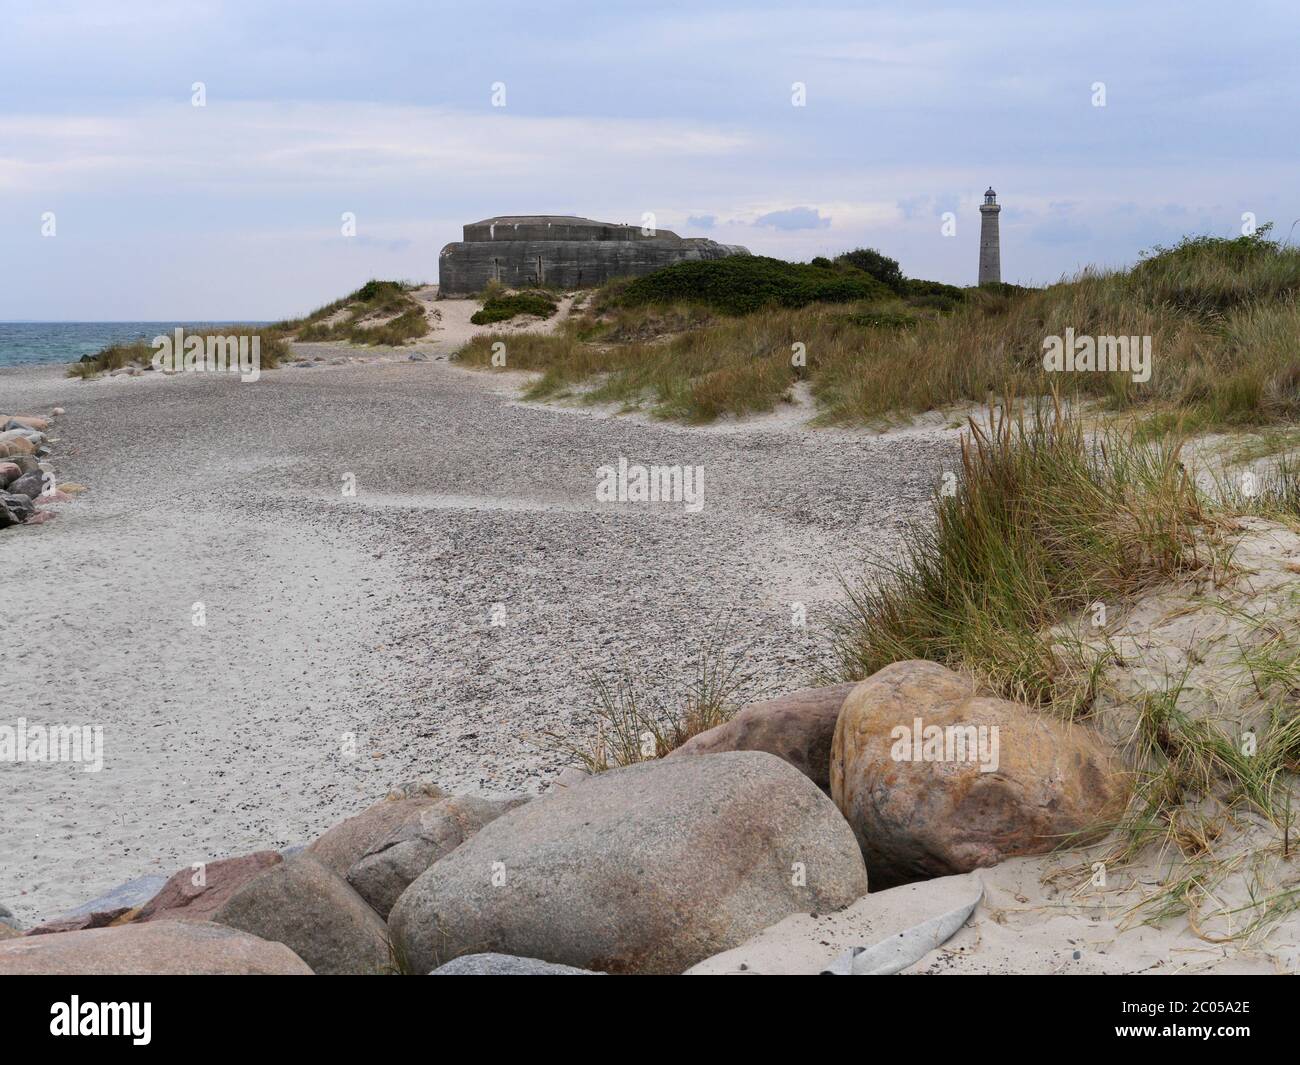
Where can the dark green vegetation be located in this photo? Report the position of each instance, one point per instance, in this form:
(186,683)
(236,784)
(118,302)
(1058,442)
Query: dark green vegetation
(741,284)
(501,308)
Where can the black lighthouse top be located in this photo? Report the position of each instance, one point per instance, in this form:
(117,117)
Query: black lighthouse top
(990,196)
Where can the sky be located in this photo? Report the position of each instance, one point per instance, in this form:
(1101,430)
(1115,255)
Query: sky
(120,199)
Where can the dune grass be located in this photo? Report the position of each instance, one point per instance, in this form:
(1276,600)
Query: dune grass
(379,312)
(273,349)
(1222,315)
(1044,518)
(1039,521)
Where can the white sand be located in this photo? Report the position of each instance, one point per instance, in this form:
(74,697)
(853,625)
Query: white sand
(371,615)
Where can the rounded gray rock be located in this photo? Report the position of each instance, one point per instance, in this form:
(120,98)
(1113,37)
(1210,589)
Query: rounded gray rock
(506,965)
(309,909)
(645,869)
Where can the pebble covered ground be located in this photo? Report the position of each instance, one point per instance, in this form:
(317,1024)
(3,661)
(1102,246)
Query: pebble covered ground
(349,641)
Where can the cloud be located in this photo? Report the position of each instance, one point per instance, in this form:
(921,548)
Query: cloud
(702,221)
(794,218)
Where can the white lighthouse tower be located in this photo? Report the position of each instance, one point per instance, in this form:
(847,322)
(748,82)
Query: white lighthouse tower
(990,249)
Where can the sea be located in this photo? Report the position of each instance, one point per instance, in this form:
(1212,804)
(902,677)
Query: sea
(36,343)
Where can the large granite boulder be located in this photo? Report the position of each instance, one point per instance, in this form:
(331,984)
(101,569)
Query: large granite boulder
(305,906)
(506,965)
(163,948)
(182,899)
(903,923)
(388,868)
(30,485)
(645,869)
(798,728)
(348,842)
(936,780)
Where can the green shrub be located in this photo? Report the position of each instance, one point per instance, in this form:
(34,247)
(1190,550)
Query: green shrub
(742,284)
(873,263)
(914,288)
(503,308)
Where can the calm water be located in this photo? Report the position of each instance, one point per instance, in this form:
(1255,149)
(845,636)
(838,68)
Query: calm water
(47,342)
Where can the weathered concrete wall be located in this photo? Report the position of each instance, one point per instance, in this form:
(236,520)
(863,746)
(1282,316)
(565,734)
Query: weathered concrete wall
(990,245)
(563,251)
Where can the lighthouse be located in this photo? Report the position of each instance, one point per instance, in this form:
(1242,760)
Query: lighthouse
(990,251)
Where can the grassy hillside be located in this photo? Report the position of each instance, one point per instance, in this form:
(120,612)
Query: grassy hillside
(700,340)
(379,312)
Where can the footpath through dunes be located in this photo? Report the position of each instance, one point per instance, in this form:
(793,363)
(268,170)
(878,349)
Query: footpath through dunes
(429,626)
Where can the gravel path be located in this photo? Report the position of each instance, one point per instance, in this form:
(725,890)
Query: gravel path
(329,616)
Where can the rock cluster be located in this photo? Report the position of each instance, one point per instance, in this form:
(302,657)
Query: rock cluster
(26,474)
(725,857)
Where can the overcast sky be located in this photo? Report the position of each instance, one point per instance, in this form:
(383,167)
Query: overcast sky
(385,109)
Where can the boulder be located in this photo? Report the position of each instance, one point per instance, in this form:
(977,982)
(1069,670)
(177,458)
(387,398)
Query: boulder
(165,948)
(340,848)
(81,921)
(314,912)
(569,777)
(125,896)
(937,780)
(900,922)
(7,918)
(388,868)
(20,506)
(8,516)
(181,899)
(644,869)
(26,421)
(506,965)
(9,472)
(16,445)
(798,728)
(30,485)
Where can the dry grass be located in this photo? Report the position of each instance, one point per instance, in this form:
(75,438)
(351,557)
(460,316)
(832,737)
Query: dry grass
(273,349)
(380,312)
(632,721)
(1041,522)
(1222,315)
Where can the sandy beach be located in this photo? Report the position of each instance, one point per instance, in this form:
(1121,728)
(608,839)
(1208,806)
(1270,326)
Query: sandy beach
(349,642)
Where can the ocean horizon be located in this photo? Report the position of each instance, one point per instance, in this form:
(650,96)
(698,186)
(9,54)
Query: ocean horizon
(42,343)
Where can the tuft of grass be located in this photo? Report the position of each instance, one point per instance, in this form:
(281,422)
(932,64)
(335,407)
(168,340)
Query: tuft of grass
(632,724)
(1045,519)
(273,349)
(1039,522)
(379,312)
(501,308)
